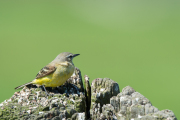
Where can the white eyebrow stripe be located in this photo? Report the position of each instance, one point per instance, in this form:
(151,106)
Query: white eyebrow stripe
(69,55)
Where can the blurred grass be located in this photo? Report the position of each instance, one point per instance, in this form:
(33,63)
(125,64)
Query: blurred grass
(135,43)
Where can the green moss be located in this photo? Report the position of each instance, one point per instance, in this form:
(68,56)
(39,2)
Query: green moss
(49,97)
(63,95)
(33,91)
(31,97)
(79,86)
(38,89)
(5,113)
(62,109)
(60,105)
(53,109)
(57,95)
(25,108)
(76,97)
(46,108)
(42,94)
(1,113)
(7,118)
(25,114)
(15,100)
(70,102)
(39,117)
(93,99)
(15,117)
(80,106)
(70,112)
(39,109)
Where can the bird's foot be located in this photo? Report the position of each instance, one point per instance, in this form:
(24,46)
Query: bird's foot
(44,89)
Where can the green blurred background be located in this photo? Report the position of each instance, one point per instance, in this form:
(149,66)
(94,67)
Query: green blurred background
(135,43)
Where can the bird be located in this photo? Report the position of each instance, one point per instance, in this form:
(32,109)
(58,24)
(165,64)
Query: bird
(55,73)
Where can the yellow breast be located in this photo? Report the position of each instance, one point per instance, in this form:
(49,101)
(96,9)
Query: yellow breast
(57,78)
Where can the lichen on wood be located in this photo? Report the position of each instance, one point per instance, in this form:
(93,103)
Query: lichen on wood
(100,101)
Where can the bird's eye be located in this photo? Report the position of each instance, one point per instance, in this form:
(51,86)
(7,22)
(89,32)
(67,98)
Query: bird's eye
(69,56)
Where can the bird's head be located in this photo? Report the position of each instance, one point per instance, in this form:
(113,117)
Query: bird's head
(65,56)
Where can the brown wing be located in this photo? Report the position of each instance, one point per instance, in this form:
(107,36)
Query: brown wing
(45,71)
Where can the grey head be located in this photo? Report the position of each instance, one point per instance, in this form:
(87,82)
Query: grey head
(65,56)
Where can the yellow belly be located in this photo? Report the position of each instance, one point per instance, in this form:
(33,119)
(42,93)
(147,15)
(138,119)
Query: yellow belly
(57,78)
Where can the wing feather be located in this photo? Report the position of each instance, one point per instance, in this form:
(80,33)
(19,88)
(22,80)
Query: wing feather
(45,71)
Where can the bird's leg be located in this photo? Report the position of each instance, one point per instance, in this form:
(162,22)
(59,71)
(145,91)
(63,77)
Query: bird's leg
(45,90)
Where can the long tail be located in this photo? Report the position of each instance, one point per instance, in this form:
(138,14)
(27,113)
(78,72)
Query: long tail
(23,85)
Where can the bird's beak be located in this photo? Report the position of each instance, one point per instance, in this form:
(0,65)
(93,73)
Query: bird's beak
(75,55)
